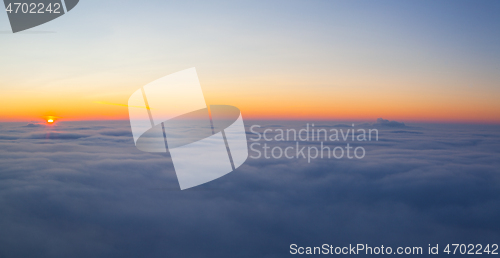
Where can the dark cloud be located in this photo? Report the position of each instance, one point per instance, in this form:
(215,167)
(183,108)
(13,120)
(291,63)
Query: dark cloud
(88,192)
(340,126)
(126,133)
(33,125)
(54,135)
(8,137)
(386,123)
(411,132)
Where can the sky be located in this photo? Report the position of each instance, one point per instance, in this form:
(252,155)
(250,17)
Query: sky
(434,61)
(423,73)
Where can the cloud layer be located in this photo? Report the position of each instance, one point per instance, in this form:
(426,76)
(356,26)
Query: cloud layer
(83,190)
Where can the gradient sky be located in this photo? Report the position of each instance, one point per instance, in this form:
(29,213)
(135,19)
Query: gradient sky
(404,60)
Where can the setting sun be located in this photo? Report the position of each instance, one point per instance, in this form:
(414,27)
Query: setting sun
(50,119)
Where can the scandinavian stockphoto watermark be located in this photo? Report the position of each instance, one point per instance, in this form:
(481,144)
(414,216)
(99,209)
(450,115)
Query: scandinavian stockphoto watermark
(205,142)
(297,142)
(170,115)
(26,14)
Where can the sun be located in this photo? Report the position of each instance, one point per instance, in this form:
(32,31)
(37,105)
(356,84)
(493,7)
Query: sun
(51,120)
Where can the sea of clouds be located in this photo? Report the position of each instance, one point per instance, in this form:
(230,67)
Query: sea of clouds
(82,189)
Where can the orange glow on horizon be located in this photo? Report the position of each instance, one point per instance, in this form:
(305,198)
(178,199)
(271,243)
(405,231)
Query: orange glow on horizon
(286,110)
(262,102)
(270,111)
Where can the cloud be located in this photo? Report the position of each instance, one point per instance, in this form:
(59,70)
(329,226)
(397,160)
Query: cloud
(411,132)
(33,125)
(386,123)
(126,133)
(94,194)
(59,136)
(8,137)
